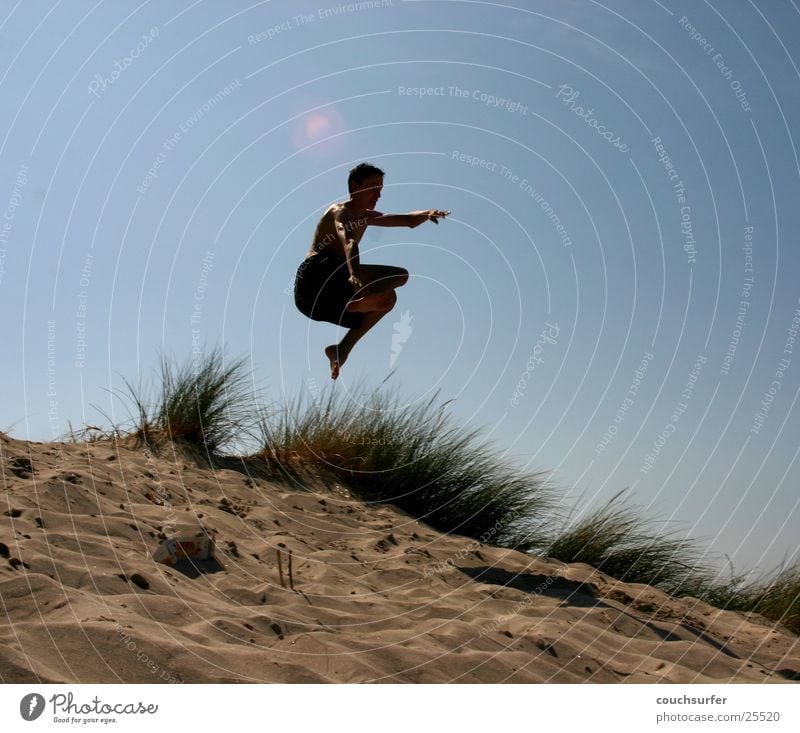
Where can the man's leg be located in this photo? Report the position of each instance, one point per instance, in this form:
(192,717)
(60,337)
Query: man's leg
(381,278)
(337,353)
(377,279)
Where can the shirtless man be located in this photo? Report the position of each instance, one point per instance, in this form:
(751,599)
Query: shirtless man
(332,284)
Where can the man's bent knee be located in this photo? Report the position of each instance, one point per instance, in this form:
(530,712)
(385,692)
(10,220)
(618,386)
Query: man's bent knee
(389,299)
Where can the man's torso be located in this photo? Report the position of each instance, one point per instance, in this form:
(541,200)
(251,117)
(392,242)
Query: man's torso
(326,238)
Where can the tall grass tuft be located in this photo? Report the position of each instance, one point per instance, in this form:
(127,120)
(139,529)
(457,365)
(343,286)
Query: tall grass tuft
(622,543)
(617,540)
(203,402)
(414,457)
(777,597)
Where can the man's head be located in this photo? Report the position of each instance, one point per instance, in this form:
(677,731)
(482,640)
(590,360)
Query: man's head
(365,183)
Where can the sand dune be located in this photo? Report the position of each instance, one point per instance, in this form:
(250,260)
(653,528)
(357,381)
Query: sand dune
(378,597)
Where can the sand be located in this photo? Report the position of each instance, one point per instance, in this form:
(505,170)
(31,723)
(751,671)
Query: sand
(377,596)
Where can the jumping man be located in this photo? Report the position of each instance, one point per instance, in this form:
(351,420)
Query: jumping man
(332,284)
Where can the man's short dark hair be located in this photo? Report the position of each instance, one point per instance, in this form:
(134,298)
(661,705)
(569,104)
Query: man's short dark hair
(361,172)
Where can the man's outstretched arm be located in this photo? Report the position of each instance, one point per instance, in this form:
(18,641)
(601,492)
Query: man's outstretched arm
(413,219)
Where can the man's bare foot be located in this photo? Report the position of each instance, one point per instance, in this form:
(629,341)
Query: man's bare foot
(337,358)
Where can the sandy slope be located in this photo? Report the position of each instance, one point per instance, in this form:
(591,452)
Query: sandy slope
(375,597)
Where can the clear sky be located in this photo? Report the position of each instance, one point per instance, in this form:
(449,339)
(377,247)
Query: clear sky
(615,296)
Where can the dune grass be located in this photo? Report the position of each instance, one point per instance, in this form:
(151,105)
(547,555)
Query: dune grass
(451,478)
(415,458)
(618,540)
(776,597)
(203,402)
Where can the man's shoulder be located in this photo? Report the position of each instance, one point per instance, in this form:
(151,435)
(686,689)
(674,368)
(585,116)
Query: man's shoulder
(335,208)
(333,213)
(339,210)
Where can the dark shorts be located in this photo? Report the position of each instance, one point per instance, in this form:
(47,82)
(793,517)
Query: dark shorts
(322,290)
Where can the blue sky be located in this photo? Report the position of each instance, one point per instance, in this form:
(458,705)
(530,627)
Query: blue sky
(614,297)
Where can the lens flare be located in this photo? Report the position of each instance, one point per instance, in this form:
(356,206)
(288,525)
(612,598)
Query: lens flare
(316,132)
